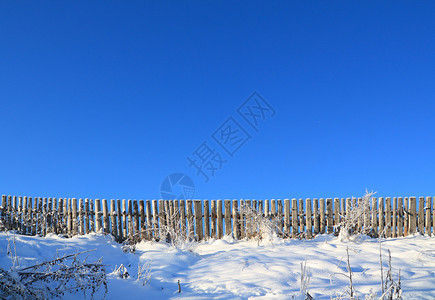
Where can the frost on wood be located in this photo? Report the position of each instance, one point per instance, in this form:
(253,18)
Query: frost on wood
(54,278)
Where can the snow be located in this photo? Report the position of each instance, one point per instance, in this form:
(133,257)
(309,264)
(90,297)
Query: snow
(228,269)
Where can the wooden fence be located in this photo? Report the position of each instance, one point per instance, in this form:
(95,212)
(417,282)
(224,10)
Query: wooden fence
(155,219)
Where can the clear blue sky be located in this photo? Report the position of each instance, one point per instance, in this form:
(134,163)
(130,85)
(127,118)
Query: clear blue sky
(104,99)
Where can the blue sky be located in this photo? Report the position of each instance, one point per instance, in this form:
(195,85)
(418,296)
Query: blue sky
(105,99)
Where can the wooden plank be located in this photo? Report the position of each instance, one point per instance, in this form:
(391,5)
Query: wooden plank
(266,208)
(74,216)
(273,209)
(25,217)
(433,217)
(32,223)
(394,221)
(248,218)
(207,219)
(343,209)
(106,228)
(136,219)
(421,215)
(381,217)
(124,219)
(227,214)
(183,218)
(301,216)
(120,230)
(190,220)
(176,214)
(81,217)
(70,219)
(162,222)
(168,216)
(242,219)
(256,215)
(9,214)
(322,215)
(171,212)
(236,230)
(308,218)
(143,235)
(337,218)
(14,213)
(280,215)
(316,216)
(65,216)
(44,216)
(287,225)
(360,216)
(400,216)
(412,215)
(198,220)
(374,222)
(213,218)
(406,218)
(156,220)
(149,213)
(366,212)
(113,220)
(19,214)
(219,220)
(294,208)
(329,216)
(130,218)
(428,212)
(87,216)
(4,210)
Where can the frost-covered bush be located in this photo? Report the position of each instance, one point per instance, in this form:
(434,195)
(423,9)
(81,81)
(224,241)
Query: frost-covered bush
(354,213)
(54,278)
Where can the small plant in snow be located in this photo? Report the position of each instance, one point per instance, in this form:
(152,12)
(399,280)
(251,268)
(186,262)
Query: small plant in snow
(305,281)
(144,272)
(349,226)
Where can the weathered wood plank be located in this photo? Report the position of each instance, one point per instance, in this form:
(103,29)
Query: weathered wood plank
(400,217)
(227,214)
(337,214)
(150,229)
(294,208)
(213,218)
(120,230)
(143,235)
(113,220)
(421,215)
(198,220)
(308,218)
(287,217)
(394,221)
(316,216)
(412,215)
(428,209)
(381,217)
(106,222)
(322,215)
(279,215)
(81,217)
(219,220)
(190,220)
(236,230)
(183,218)
(301,216)
(329,219)
(207,219)
(406,218)
(374,222)
(74,217)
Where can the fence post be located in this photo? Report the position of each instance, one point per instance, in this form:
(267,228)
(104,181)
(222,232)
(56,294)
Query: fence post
(213,218)
(65,216)
(136,219)
(74,216)
(25,217)
(329,220)
(32,222)
(400,217)
(156,220)
(143,234)
(337,214)
(316,216)
(207,219)
(220,227)
(308,218)
(19,214)
(287,217)
(198,219)
(81,216)
(149,220)
(381,217)
(130,218)
(235,220)
(242,218)
(412,215)
(343,209)
(248,217)
(388,228)
(421,215)
(266,208)
(366,211)
(92,214)
(322,215)
(9,214)
(98,224)
(428,215)
(394,222)
(189,215)
(87,216)
(375,215)
(124,219)
(113,220)
(106,227)
(294,208)
(227,214)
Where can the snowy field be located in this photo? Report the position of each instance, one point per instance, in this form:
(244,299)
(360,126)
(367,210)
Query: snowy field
(226,269)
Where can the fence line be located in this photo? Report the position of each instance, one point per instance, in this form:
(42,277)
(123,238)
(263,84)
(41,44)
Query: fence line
(201,220)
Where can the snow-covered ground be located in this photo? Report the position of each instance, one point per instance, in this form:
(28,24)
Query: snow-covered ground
(226,269)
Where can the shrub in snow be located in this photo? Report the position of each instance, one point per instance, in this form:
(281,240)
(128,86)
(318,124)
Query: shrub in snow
(54,278)
(349,224)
